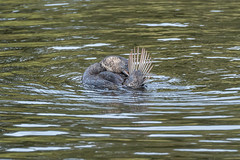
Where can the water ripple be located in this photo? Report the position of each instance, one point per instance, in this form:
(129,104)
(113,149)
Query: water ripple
(147,122)
(151,153)
(207,117)
(169,39)
(35,125)
(234,48)
(85,146)
(35,133)
(113,116)
(95,135)
(78,47)
(56,4)
(163,24)
(33,149)
(206,150)
(178,128)
(174,135)
(214,141)
(216,11)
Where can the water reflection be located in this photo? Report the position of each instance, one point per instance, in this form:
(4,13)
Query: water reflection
(33,149)
(150,153)
(36,125)
(163,24)
(95,135)
(78,47)
(35,133)
(214,141)
(206,150)
(56,4)
(169,39)
(234,48)
(179,128)
(108,116)
(173,135)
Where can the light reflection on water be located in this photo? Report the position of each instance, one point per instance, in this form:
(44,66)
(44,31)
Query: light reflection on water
(34,149)
(163,24)
(78,47)
(189,108)
(150,153)
(179,128)
(206,150)
(35,133)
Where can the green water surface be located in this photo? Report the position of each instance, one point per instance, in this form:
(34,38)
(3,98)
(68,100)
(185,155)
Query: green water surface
(189,110)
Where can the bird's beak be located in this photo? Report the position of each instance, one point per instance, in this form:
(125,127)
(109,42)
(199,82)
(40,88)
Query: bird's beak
(126,72)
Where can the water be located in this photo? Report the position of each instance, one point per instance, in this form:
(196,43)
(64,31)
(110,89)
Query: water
(189,110)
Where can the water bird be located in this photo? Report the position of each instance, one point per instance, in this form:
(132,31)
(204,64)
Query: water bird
(116,71)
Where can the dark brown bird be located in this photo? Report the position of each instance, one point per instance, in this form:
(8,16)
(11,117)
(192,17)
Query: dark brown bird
(115,71)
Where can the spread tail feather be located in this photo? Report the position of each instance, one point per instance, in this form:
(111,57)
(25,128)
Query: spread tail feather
(140,61)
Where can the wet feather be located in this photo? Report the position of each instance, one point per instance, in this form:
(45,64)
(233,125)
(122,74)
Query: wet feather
(140,61)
